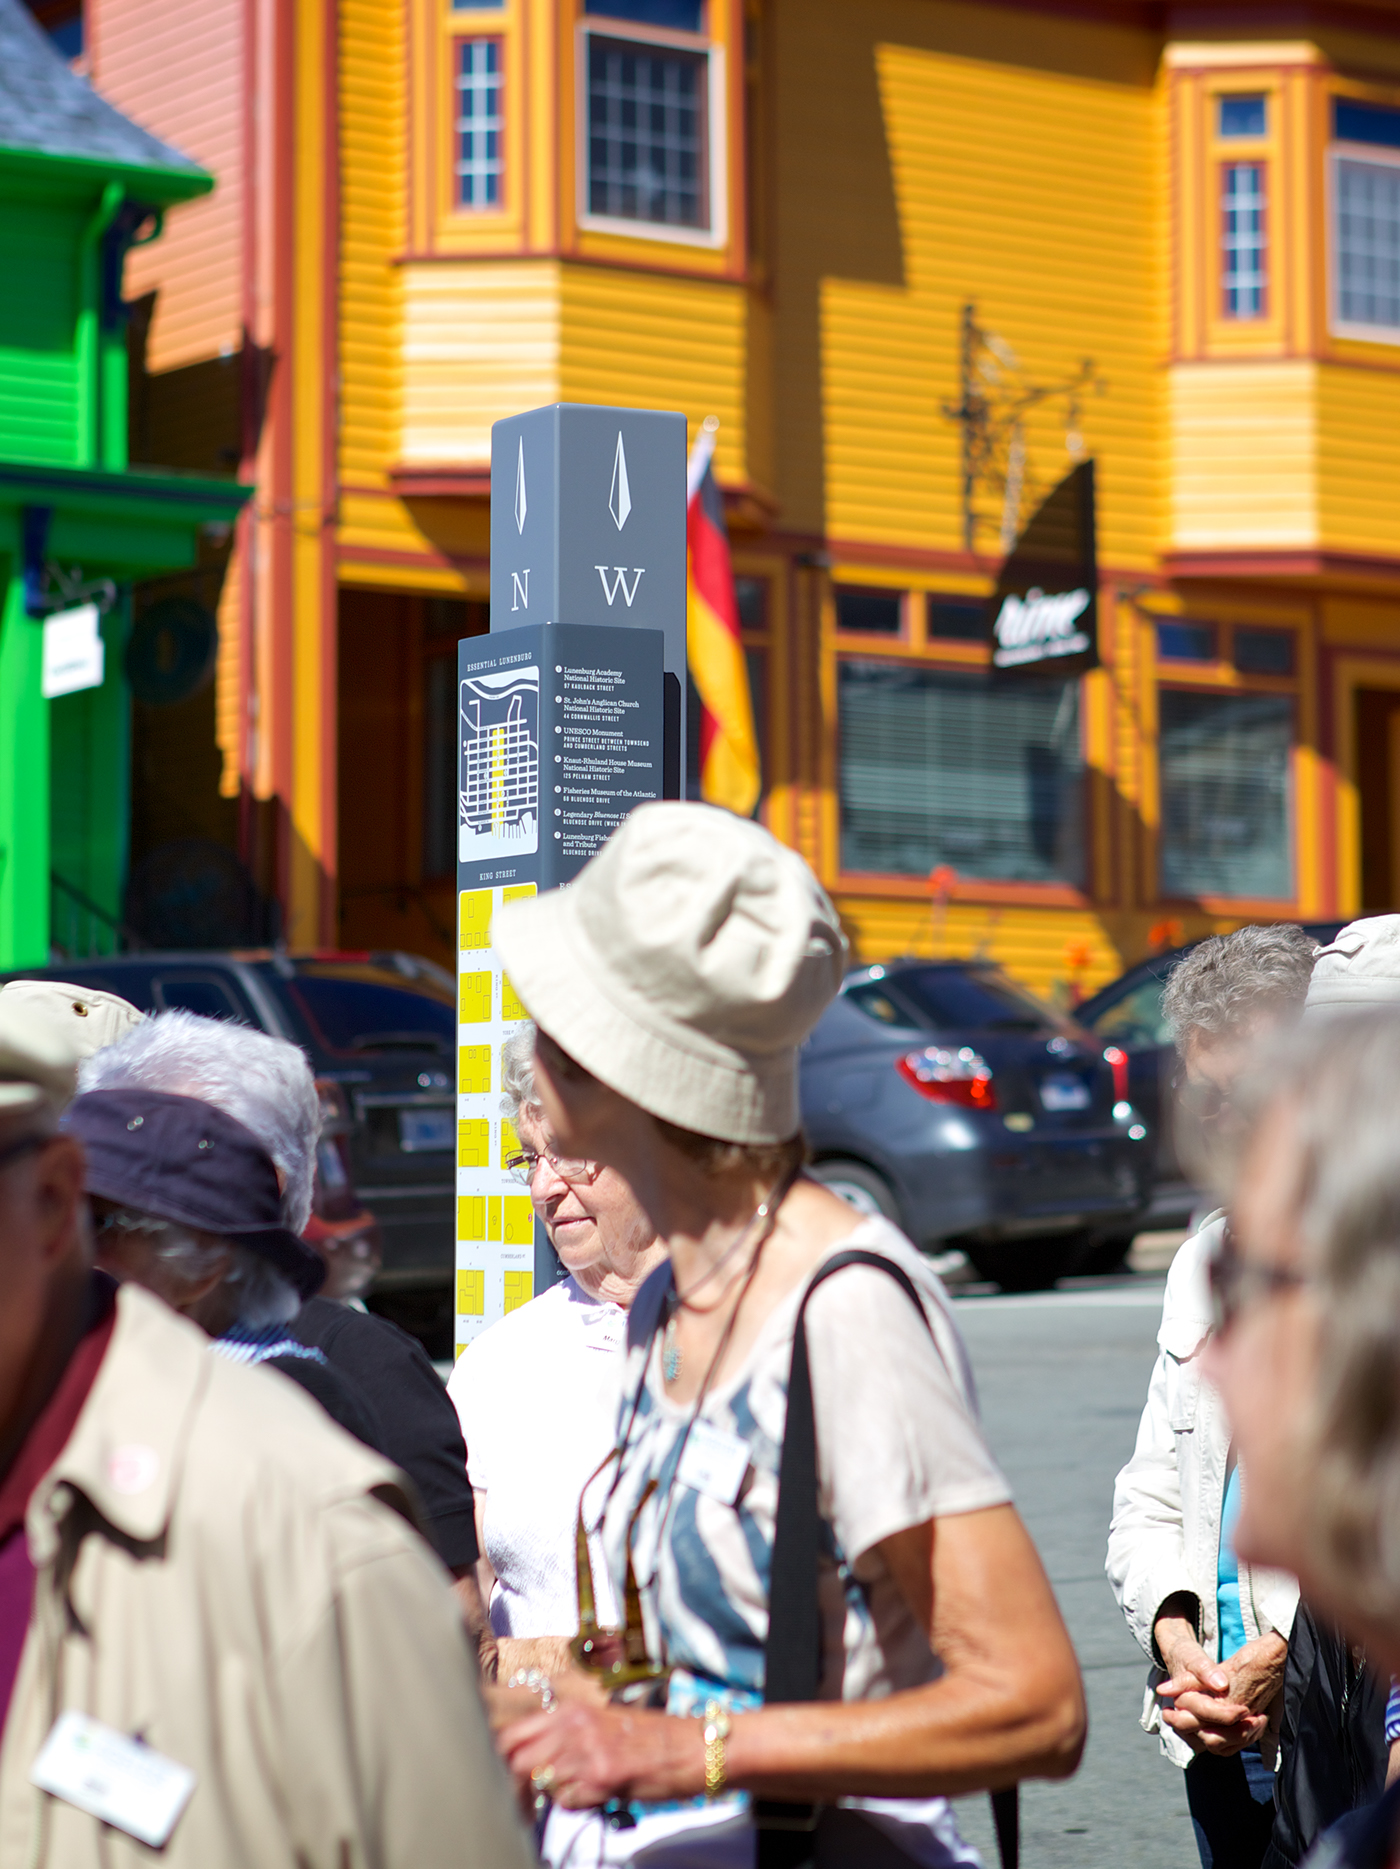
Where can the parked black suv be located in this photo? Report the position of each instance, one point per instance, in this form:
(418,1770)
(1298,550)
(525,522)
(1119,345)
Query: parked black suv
(381,1033)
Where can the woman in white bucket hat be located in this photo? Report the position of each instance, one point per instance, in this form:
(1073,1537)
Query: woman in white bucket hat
(672,984)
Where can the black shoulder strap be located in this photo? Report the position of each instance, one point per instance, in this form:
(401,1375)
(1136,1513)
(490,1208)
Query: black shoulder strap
(786,1832)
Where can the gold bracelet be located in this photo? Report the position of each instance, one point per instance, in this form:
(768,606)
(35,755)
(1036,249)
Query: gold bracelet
(716,1732)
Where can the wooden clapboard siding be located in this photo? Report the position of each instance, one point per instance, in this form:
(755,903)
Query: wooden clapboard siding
(1358,450)
(645,340)
(1047,948)
(1244,456)
(481,340)
(38,362)
(176,68)
(373,210)
(1031,193)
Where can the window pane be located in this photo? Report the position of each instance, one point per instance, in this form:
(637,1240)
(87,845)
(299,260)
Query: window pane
(479,150)
(1224,767)
(364,1010)
(1368,243)
(872,613)
(1243,116)
(1186,642)
(1264,651)
(951,997)
(958,622)
(679,15)
(1242,241)
(941,768)
(751,601)
(646,133)
(1135,1019)
(1366,123)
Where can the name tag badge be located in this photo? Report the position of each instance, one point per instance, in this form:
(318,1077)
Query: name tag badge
(714,1463)
(113,1778)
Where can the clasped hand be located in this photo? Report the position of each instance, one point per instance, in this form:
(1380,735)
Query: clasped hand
(1219,1707)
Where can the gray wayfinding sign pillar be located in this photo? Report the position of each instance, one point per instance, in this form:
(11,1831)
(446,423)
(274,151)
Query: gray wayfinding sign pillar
(569,713)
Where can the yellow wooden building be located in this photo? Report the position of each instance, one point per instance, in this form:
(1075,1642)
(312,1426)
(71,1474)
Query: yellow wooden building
(920,258)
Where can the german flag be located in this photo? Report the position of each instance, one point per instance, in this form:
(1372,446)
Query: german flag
(728,745)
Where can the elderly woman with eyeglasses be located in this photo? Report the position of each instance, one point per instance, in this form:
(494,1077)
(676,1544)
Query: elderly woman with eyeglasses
(536,1394)
(828,1601)
(1307,1347)
(1215,1631)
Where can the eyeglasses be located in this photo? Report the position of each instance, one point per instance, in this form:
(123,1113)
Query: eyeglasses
(524,1165)
(1236,1283)
(1205,1102)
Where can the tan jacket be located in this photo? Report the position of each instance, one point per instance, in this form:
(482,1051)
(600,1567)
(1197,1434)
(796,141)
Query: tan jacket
(226,1574)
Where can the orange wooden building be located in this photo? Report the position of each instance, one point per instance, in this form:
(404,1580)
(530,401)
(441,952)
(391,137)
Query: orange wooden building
(920,257)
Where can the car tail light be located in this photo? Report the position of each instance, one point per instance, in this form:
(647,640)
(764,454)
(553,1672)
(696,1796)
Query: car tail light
(958,1077)
(1118,1062)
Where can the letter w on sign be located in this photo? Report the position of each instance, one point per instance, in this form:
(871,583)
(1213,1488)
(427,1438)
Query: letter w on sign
(619,582)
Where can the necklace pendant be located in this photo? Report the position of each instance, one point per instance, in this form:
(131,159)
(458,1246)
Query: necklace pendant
(670,1351)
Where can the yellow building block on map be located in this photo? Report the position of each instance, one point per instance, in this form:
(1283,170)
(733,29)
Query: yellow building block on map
(474,997)
(510,1141)
(493,1216)
(471,1216)
(474,919)
(520,1289)
(474,1144)
(519,1220)
(512,1006)
(517,892)
(471,1294)
(473,1069)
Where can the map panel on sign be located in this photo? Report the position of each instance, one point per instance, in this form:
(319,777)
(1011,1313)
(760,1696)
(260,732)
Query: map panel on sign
(499,797)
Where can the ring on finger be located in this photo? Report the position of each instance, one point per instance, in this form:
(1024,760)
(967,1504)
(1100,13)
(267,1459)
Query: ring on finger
(542,1778)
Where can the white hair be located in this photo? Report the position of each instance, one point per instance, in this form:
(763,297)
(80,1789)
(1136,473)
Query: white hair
(261,1294)
(265,1083)
(518,1073)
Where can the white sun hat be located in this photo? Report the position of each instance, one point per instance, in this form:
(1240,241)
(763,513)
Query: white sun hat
(38,1062)
(683,967)
(90,1018)
(1360,968)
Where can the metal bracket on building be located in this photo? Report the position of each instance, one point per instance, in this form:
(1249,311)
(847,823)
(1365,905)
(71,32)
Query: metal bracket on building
(57,589)
(996,397)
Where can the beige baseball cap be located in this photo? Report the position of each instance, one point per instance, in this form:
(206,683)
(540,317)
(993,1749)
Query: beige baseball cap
(89,1017)
(1360,968)
(38,1063)
(683,967)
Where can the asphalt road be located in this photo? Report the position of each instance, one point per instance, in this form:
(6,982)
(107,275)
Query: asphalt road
(1062,1376)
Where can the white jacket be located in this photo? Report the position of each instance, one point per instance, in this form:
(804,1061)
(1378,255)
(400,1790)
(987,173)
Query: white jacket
(1167,1501)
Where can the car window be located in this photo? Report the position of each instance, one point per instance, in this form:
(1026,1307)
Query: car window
(363,1010)
(1136,1019)
(203,993)
(972,998)
(877,1002)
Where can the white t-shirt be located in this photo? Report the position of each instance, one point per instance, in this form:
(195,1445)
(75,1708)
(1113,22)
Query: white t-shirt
(898,1443)
(537,1396)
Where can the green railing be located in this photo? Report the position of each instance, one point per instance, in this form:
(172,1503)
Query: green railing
(80,928)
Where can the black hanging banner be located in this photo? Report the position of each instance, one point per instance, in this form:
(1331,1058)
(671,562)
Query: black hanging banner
(1044,616)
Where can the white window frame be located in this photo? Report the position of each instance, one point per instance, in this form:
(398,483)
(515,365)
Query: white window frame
(1258,281)
(596,25)
(457,43)
(1382,158)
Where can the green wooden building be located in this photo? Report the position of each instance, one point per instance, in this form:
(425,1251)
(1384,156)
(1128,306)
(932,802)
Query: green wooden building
(79,185)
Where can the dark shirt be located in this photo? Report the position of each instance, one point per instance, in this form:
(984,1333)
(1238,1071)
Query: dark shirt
(42,1445)
(419,1430)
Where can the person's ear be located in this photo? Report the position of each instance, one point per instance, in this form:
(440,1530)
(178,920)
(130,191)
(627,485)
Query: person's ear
(59,1169)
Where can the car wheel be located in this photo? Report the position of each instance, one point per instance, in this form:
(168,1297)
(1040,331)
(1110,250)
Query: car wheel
(1026,1264)
(860,1187)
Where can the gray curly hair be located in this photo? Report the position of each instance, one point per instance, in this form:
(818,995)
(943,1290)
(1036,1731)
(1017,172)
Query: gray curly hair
(1226,982)
(1342,1079)
(518,1073)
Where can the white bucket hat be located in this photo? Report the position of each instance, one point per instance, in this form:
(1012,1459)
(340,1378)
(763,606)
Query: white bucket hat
(89,1018)
(1360,968)
(38,1063)
(683,967)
